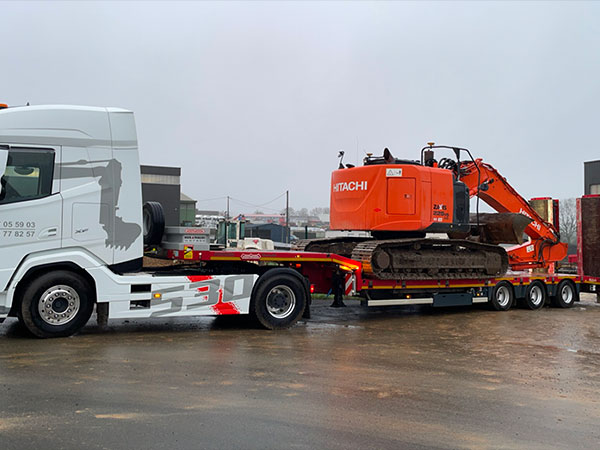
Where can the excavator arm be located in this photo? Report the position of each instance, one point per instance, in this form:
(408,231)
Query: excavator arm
(544,246)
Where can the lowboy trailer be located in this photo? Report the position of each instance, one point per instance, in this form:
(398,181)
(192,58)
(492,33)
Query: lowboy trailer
(533,290)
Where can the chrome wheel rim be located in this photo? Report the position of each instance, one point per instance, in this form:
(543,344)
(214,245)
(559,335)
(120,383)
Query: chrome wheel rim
(566,294)
(502,296)
(281,301)
(59,305)
(536,295)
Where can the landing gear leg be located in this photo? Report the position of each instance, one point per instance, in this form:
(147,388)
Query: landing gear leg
(338,290)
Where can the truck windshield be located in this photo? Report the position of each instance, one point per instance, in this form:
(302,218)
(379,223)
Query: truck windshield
(27,175)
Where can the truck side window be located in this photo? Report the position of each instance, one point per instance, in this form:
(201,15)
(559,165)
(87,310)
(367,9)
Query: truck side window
(28,175)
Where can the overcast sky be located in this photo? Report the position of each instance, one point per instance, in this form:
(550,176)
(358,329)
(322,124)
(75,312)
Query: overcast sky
(253,99)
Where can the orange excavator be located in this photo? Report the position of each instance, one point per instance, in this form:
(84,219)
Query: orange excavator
(400,201)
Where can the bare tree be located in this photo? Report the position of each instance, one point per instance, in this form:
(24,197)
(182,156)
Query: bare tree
(568,221)
(319,210)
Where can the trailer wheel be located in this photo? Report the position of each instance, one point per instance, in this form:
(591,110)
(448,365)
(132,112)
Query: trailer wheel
(566,294)
(502,296)
(56,304)
(279,301)
(154,223)
(535,295)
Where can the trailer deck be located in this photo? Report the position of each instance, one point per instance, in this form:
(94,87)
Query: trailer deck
(536,289)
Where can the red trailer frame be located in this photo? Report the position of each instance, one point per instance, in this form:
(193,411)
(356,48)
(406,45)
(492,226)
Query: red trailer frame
(535,289)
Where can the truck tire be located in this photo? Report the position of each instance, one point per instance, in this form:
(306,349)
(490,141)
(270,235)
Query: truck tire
(566,294)
(154,223)
(279,300)
(56,304)
(535,295)
(502,296)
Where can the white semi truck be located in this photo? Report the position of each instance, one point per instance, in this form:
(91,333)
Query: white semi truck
(71,234)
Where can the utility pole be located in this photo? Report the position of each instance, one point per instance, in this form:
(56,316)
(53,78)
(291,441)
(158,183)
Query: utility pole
(227,225)
(287,216)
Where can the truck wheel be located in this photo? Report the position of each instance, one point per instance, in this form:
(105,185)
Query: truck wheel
(279,301)
(535,295)
(502,296)
(56,304)
(566,294)
(154,223)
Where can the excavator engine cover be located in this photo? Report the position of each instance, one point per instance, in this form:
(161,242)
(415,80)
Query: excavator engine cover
(400,198)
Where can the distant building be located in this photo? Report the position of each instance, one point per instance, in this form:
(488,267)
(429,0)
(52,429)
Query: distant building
(591,176)
(208,219)
(266,218)
(307,232)
(187,210)
(275,232)
(162,184)
(324,219)
(301,221)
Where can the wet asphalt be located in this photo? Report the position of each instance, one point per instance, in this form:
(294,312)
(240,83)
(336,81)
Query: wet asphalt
(400,377)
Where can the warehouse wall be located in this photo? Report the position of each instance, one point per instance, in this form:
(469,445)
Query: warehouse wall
(591,177)
(162,184)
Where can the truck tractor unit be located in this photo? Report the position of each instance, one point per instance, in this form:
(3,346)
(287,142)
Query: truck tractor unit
(72,232)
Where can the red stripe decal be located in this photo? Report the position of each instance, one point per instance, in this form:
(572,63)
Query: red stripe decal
(194,278)
(224,308)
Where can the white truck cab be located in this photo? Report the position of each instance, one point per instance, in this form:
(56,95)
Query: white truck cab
(71,230)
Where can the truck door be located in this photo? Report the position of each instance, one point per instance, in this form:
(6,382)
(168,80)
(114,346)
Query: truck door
(30,205)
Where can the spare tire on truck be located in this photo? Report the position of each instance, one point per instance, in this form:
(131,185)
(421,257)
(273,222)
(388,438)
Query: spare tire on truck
(154,223)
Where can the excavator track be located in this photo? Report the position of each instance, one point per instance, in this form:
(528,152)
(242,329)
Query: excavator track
(410,259)
(342,246)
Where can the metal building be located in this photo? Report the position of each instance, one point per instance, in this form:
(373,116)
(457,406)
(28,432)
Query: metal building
(591,176)
(162,184)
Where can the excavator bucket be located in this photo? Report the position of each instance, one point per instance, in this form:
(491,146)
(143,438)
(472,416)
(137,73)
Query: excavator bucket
(496,228)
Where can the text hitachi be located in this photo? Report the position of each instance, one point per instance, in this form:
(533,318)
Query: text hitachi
(350,186)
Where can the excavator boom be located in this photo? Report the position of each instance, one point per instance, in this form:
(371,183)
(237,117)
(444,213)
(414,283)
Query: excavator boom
(484,181)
